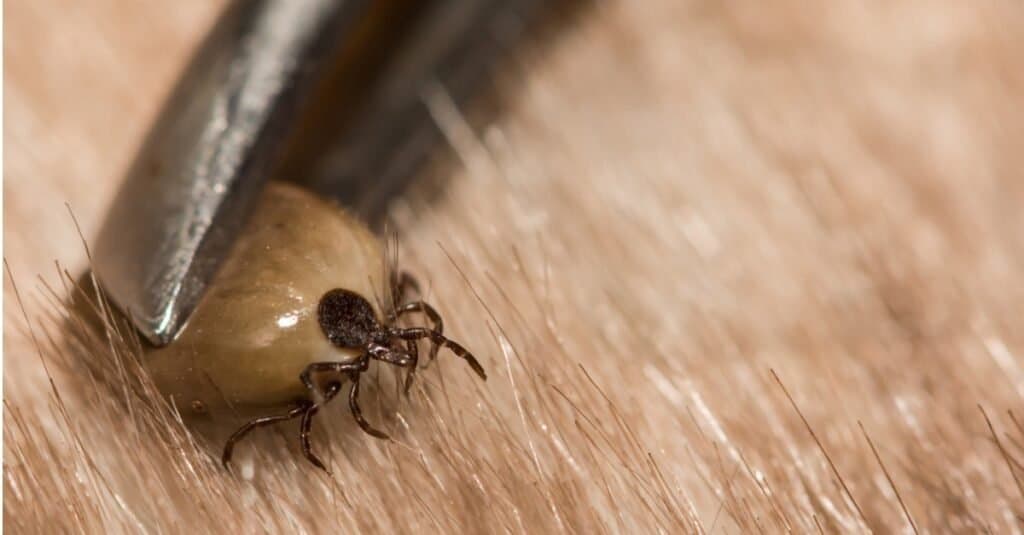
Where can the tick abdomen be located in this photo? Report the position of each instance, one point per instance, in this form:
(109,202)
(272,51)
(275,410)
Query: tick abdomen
(256,328)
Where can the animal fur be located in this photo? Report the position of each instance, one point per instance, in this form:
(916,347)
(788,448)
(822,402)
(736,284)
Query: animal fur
(732,266)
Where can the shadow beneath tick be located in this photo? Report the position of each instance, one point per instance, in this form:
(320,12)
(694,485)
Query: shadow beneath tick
(365,145)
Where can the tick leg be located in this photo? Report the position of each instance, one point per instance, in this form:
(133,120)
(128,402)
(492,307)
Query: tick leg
(263,421)
(414,351)
(430,313)
(404,359)
(395,357)
(306,426)
(417,333)
(357,413)
(401,283)
(356,366)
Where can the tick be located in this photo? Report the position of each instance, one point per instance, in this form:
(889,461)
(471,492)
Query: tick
(299,309)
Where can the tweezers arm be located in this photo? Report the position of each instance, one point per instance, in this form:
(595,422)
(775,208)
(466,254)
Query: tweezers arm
(208,155)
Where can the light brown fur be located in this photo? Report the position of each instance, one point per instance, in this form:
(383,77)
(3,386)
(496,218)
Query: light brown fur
(745,268)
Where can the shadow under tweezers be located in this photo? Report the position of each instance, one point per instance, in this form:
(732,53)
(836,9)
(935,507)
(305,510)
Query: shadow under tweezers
(364,139)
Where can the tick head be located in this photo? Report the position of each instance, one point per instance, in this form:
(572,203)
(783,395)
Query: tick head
(347,318)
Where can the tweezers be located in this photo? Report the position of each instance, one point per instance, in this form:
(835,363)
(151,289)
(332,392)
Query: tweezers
(253,104)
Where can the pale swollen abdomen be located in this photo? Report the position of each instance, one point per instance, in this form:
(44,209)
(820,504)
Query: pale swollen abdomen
(255,330)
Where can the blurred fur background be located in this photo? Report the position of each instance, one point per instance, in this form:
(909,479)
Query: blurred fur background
(732,267)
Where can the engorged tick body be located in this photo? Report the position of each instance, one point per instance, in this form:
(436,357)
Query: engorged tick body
(299,308)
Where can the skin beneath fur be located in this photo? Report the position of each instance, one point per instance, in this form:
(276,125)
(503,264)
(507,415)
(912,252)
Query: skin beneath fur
(737,269)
